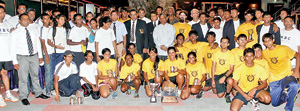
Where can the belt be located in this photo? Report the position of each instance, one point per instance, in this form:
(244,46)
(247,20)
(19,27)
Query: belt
(119,43)
(27,55)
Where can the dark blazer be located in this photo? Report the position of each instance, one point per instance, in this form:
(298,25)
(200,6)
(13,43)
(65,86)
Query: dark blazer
(150,29)
(228,31)
(276,35)
(140,33)
(198,28)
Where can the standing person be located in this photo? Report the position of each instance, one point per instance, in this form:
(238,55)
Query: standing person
(71,18)
(150,28)
(217,29)
(221,15)
(163,36)
(195,77)
(227,16)
(47,11)
(131,75)
(249,80)
(137,59)
(267,27)
(77,38)
(57,38)
(124,15)
(283,13)
(106,82)
(142,14)
(88,73)
(21,37)
(194,45)
(88,18)
(105,38)
(6,16)
(5,58)
(182,51)
(136,29)
(222,68)
(202,28)
(290,37)
(195,16)
(47,51)
(91,38)
(172,19)
(259,16)
(238,51)
(231,27)
(120,33)
(282,80)
(212,15)
(14,20)
(159,10)
(182,26)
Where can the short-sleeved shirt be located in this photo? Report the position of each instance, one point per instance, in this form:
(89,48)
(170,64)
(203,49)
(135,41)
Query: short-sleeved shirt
(105,39)
(129,70)
(198,47)
(63,71)
(60,38)
(136,58)
(120,30)
(107,68)
(89,72)
(244,29)
(208,53)
(195,71)
(264,64)
(77,34)
(223,61)
(5,42)
(279,60)
(248,77)
(238,56)
(179,63)
(148,67)
(184,51)
(183,28)
(44,35)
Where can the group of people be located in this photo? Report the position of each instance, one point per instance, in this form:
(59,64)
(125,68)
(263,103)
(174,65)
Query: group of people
(255,60)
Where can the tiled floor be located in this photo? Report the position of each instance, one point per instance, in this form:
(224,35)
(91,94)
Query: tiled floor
(209,102)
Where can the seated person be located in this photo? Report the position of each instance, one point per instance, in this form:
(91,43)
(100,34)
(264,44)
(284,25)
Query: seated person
(174,70)
(246,81)
(195,77)
(107,68)
(137,57)
(131,75)
(88,73)
(181,50)
(66,79)
(150,68)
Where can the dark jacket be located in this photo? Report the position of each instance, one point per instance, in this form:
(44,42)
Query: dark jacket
(198,28)
(150,29)
(228,31)
(276,35)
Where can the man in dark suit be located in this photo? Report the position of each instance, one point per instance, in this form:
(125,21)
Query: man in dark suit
(137,33)
(202,28)
(150,28)
(231,26)
(261,29)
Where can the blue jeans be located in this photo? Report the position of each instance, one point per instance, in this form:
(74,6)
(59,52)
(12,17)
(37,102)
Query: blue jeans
(56,58)
(69,85)
(49,74)
(279,97)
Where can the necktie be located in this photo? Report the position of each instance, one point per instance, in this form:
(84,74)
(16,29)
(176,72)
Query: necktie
(29,42)
(132,32)
(114,28)
(154,24)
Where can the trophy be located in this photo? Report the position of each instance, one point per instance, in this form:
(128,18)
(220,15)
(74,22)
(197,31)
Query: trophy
(180,56)
(156,73)
(172,69)
(153,88)
(250,32)
(169,94)
(196,81)
(114,74)
(129,77)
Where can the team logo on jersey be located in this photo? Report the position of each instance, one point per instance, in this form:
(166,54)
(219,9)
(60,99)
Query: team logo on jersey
(194,73)
(131,73)
(250,78)
(194,50)
(109,71)
(242,59)
(141,31)
(222,61)
(209,55)
(274,60)
(152,71)
(181,30)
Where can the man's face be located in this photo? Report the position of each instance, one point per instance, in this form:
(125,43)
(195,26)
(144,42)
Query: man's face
(283,14)
(267,18)
(133,15)
(153,17)
(114,16)
(258,52)
(68,58)
(31,15)
(78,20)
(46,19)
(258,14)
(249,57)
(89,57)
(202,17)
(227,14)
(106,13)
(2,14)
(128,59)
(242,41)
(170,11)
(163,19)
(288,23)
(159,11)
(131,49)
(21,9)
(224,43)
(234,13)
(180,40)
(171,54)
(71,15)
(24,21)
(194,14)
(124,14)
(182,17)
(217,23)
(193,37)
(268,42)
(142,14)
(212,14)
(211,39)
(89,16)
(220,12)
(248,17)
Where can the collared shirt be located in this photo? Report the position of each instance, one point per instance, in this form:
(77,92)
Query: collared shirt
(156,22)
(120,30)
(19,43)
(135,22)
(163,35)
(146,20)
(6,18)
(193,22)
(13,21)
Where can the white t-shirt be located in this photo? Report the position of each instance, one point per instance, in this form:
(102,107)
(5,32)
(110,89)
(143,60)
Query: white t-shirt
(5,42)
(280,24)
(105,39)
(63,71)
(89,72)
(77,34)
(6,18)
(204,29)
(292,40)
(60,38)
(219,34)
(71,24)
(13,21)
(91,45)
(192,22)
(44,35)
(264,30)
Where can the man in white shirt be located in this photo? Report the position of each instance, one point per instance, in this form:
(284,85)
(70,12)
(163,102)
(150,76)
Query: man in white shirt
(195,16)
(47,11)
(14,21)
(217,29)
(7,17)
(283,13)
(142,14)
(77,39)
(66,79)
(89,75)
(290,37)
(71,20)
(5,58)
(202,28)
(163,35)
(26,54)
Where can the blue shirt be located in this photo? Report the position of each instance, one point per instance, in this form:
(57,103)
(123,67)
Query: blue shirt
(120,30)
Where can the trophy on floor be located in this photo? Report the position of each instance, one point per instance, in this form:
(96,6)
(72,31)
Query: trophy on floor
(153,87)
(169,95)
(114,74)
(250,32)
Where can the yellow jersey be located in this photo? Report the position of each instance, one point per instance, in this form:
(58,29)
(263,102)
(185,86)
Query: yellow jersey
(107,68)
(177,63)
(195,71)
(223,61)
(129,70)
(148,67)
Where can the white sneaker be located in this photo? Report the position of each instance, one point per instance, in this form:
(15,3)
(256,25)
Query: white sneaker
(53,93)
(158,93)
(11,98)
(178,93)
(254,105)
(2,102)
(16,89)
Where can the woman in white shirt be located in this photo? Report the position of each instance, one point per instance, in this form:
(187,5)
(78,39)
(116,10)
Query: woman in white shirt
(91,38)
(105,38)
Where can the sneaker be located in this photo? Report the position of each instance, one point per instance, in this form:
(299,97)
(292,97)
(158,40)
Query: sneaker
(254,105)
(157,93)
(199,94)
(114,95)
(178,93)
(11,98)
(2,102)
(227,98)
(53,92)
(16,89)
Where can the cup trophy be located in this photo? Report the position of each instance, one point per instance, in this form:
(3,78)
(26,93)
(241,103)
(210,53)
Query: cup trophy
(169,95)
(180,56)
(196,81)
(129,77)
(157,73)
(113,73)
(172,69)
(250,32)
(153,88)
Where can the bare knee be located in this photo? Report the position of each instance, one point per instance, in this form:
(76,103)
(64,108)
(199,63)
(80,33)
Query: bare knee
(229,81)
(104,94)
(123,88)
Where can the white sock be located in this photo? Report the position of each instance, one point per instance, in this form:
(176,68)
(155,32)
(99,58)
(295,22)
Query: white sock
(8,94)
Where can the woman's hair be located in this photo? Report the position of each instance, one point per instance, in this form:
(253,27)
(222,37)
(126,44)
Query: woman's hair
(172,48)
(154,49)
(93,19)
(105,50)
(104,20)
(192,53)
(66,25)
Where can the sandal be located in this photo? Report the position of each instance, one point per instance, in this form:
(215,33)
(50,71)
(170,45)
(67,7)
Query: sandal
(128,92)
(136,95)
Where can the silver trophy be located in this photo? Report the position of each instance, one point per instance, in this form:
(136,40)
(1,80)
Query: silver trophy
(195,81)
(153,88)
(129,77)
(114,74)
(250,32)
(180,56)
(156,73)
(172,69)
